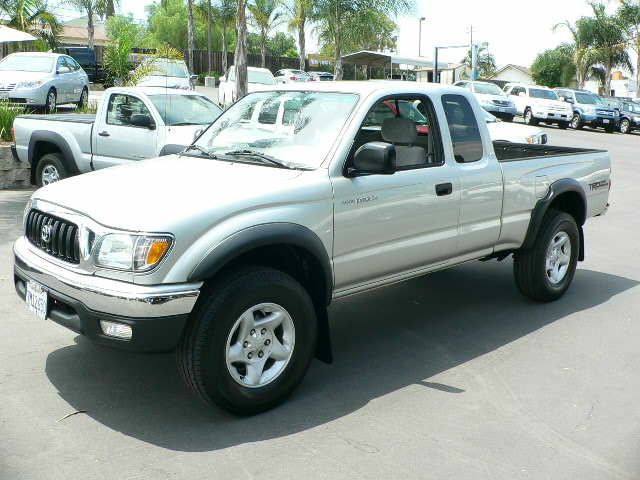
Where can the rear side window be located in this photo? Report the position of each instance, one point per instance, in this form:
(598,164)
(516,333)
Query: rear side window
(463,127)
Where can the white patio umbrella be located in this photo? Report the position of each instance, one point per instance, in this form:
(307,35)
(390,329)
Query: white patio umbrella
(12,35)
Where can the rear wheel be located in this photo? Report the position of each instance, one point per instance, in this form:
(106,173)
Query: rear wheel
(529,118)
(544,272)
(625,126)
(51,102)
(50,169)
(250,340)
(84,98)
(576,122)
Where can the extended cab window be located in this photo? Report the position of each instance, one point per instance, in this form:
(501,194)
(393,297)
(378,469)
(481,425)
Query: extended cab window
(413,141)
(463,127)
(122,107)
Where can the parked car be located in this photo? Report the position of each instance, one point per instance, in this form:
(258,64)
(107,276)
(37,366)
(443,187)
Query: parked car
(86,58)
(131,124)
(170,74)
(321,76)
(232,251)
(289,75)
(500,131)
(43,80)
(589,110)
(258,78)
(628,111)
(491,98)
(539,104)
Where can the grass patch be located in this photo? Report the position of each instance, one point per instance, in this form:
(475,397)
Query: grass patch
(8,114)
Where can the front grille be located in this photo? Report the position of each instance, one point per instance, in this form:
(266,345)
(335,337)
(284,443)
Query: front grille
(606,113)
(62,240)
(501,103)
(555,108)
(7,87)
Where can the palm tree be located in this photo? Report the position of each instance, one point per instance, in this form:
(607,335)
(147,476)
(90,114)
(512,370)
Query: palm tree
(583,38)
(91,8)
(629,16)
(32,16)
(266,15)
(300,12)
(190,34)
(226,13)
(485,63)
(111,8)
(240,57)
(331,17)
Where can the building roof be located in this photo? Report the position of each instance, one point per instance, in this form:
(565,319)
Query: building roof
(525,70)
(367,57)
(75,31)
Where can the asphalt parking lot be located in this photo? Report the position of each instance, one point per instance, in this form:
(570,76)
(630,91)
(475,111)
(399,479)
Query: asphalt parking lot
(453,375)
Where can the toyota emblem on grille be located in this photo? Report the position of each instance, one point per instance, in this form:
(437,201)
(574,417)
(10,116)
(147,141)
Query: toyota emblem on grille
(45,233)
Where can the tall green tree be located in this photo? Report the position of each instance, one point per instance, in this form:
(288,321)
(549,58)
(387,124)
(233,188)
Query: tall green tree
(629,16)
(333,16)
(91,8)
(240,57)
(226,14)
(486,62)
(265,15)
(554,67)
(191,41)
(300,12)
(609,43)
(34,17)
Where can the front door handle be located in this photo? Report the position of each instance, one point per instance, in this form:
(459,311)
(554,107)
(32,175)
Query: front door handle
(443,189)
(104,134)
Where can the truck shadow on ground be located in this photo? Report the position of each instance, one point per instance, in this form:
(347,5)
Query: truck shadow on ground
(383,341)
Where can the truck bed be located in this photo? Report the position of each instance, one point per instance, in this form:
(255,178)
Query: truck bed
(87,118)
(514,152)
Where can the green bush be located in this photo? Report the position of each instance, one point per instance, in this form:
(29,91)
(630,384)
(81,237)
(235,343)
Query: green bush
(8,113)
(214,73)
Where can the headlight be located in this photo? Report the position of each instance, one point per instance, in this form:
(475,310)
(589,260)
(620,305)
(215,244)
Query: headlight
(589,110)
(534,139)
(636,119)
(34,84)
(131,252)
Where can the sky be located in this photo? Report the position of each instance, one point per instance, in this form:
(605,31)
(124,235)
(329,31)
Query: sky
(516,30)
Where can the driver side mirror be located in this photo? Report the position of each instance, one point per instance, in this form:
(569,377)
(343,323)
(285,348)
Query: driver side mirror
(142,120)
(373,158)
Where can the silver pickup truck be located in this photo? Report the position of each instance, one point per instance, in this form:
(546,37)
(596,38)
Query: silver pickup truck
(130,124)
(231,252)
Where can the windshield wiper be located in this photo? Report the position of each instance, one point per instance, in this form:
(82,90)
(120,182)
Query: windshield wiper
(205,152)
(262,156)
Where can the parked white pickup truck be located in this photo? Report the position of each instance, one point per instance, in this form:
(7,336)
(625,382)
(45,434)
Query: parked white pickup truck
(292,199)
(131,124)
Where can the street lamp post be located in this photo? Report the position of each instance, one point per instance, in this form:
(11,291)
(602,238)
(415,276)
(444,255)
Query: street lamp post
(422,19)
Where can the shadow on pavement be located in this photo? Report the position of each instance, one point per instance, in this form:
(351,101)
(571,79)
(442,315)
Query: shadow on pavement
(383,341)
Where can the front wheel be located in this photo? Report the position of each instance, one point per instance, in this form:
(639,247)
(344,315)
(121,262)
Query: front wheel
(529,119)
(51,102)
(50,169)
(544,272)
(576,122)
(250,340)
(625,126)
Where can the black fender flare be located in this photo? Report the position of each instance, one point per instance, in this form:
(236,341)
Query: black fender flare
(56,140)
(556,189)
(262,236)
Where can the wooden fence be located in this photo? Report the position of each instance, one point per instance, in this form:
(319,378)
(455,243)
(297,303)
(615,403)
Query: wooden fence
(201,62)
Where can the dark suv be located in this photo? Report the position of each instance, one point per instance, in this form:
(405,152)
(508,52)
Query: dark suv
(589,110)
(87,59)
(629,113)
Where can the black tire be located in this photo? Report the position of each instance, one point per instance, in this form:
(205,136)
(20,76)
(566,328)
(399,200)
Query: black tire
(84,98)
(529,118)
(529,266)
(563,125)
(201,354)
(625,126)
(51,101)
(576,122)
(49,163)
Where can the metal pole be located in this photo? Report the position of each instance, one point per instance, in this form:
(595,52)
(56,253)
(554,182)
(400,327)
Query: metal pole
(422,19)
(435,65)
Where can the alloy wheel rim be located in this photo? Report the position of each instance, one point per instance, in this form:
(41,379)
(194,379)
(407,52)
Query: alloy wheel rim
(527,117)
(624,126)
(574,122)
(52,101)
(558,258)
(50,174)
(260,345)
(83,98)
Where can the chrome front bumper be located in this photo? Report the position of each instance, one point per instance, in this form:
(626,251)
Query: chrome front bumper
(101,294)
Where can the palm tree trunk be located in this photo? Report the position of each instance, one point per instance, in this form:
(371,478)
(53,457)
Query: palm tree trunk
(302,43)
(209,53)
(607,79)
(337,73)
(638,66)
(90,29)
(263,48)
(224,47)
(190,35)
(111,8)
(240,58)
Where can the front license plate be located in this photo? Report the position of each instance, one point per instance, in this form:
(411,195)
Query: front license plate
(605,121)
(37,299)
(503,110)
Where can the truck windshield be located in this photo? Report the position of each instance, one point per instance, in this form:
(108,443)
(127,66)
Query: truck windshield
(298,128)
(178,110)
(544,94)
(488,89)
(26,63)
(588,99)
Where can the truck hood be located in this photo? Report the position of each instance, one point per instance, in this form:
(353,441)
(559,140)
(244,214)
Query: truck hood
(168,193)
(182,134)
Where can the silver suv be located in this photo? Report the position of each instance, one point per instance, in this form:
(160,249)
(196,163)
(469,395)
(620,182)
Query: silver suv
(43,80)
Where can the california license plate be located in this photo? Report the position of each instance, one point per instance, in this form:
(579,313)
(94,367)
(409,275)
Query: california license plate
(37,299)
(605,121)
